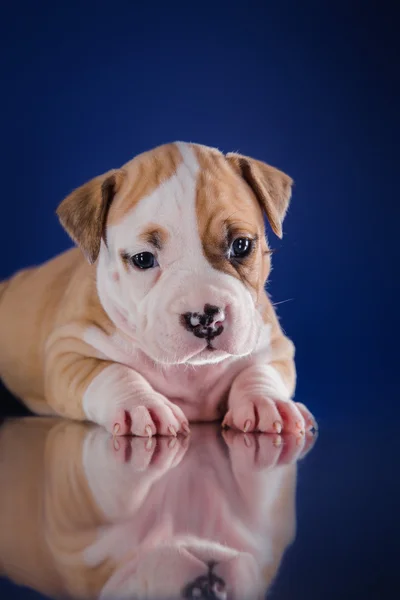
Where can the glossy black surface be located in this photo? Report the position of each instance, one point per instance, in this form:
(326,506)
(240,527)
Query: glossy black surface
(346,498)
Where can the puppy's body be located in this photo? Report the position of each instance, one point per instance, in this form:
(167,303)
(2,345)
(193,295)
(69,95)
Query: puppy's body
(145,349)
(30,310)
(43,315)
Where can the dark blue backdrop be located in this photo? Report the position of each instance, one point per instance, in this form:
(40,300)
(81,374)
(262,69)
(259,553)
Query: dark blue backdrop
(307,86)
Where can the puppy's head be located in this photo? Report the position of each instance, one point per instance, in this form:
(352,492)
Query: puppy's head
(178,238)
(194,570)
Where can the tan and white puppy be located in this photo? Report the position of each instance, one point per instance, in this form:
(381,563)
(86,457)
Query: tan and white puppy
(89,516)
(164,318)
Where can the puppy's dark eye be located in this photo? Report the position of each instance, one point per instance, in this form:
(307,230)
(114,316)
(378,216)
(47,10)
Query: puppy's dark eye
(241,247)
(144,260)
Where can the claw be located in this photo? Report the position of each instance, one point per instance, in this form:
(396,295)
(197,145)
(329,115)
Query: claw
(172,430)
(247,426)
(186,428)
(148,431)
(116,429)
(278,427)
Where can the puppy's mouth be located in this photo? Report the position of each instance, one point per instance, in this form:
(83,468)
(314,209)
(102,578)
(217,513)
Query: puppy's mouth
(207,356)
(209,344)
(210,347)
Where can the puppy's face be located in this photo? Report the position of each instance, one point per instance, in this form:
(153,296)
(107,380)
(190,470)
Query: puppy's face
(178,236)
(188,570)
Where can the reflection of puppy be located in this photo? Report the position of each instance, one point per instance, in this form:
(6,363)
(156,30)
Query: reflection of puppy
(220,521)
(93,517)
(171,320)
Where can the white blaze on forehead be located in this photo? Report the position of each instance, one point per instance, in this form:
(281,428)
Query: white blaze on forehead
(172,205)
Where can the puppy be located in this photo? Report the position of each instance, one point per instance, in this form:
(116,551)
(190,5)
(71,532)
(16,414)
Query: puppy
(89,516)
(161,318)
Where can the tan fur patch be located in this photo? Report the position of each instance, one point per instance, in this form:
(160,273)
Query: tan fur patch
(83,213)
(226,209)
(144,173)
(271,187)
(155,235)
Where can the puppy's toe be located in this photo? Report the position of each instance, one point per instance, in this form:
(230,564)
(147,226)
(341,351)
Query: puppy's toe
(269,418)
(241,417)
(164,419)
(142,423)
(179,416)
(121,423)
(308,417)
(293,420)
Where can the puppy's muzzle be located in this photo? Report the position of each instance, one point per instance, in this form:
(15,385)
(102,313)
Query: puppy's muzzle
(206,324)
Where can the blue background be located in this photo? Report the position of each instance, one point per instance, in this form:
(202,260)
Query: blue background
(307,86)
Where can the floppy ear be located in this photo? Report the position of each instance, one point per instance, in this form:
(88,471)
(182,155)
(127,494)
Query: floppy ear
(272,187)
(83,213)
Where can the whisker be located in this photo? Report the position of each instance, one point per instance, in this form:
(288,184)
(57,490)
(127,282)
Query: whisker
(282,302)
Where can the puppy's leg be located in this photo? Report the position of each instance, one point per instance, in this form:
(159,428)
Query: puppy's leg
(260,396)
(110,394)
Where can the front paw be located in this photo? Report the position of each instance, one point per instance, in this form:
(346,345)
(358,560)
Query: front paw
(261,451)
(151,415)
(124,403)
(260,413)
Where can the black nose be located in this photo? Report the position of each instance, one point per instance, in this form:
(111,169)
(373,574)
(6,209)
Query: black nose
(208,586)
(207,324)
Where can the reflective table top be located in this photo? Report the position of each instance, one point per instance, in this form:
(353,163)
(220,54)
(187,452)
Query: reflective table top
(217,514)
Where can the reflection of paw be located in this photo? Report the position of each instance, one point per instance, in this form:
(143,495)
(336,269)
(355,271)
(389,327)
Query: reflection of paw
(255,451)
(120,471)
(143,453)
(258,413)
(149,416)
